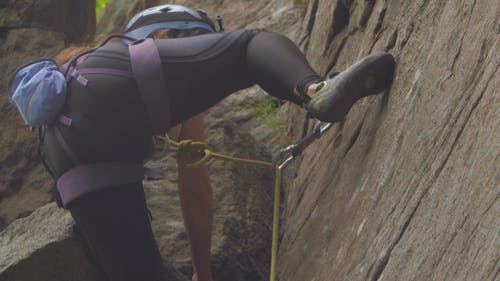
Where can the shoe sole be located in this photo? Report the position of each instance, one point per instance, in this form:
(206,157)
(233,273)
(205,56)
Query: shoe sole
(370,76)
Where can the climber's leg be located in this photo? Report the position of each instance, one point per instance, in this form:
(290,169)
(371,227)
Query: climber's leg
(202,70)
(279,67)
(117,228)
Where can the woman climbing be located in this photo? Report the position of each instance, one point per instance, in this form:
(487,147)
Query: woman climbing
(195,190)
(122,93)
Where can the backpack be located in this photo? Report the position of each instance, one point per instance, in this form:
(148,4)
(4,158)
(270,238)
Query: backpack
(38,90)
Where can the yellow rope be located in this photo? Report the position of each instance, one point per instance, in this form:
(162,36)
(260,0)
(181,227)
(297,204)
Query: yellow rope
(276,215)
(195,154)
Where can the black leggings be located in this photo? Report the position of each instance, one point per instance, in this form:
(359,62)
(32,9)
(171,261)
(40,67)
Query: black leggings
(116,226)
(222,64)
(110,125)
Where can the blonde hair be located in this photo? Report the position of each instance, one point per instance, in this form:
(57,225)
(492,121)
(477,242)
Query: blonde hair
(66,54)
(166,33)
(74,49)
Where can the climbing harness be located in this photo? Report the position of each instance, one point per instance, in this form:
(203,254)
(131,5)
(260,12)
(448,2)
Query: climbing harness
(195,154)
(89,177)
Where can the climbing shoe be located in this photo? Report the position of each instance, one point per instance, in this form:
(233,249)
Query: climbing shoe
(334,97)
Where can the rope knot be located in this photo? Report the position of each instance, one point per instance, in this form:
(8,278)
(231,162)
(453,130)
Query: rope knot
(192,153)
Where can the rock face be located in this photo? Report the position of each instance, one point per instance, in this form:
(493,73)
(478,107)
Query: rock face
(406,188)
(44,246)
(29,30)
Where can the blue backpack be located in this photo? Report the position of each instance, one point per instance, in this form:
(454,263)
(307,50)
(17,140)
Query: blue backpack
(38,90)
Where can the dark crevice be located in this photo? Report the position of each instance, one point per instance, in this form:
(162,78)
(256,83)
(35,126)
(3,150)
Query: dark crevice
(392,41)
(457,55)
(14,183)
(380,266)
(14,177)
(310,24)
(450,242)
(423,6)
(305,126)
(336,56)
(354,138)
(380,19)
(312,18)
(3,223)
(340,21)
(6,29)
(483,55)
(3,33)
(367,11)
(339,137)
(382,261)
(302,41)
(13,187)
(24,214)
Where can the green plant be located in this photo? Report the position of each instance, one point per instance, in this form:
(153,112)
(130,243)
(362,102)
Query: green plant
(99,7)
(267,110)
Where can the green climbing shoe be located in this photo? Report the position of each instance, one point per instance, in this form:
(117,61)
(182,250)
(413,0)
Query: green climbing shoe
(334,98)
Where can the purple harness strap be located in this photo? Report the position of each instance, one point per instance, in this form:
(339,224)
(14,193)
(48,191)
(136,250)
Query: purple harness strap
(87,178)
(78,73)
(146,66)
(148,73)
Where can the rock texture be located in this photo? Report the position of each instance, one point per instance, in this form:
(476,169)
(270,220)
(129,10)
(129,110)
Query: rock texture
(408,188)
(29,30)
(44,246)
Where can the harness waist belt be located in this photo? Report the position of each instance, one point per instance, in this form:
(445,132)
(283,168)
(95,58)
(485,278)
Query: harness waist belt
(87,178)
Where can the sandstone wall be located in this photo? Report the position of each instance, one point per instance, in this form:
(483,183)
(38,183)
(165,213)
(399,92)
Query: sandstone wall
(407,188)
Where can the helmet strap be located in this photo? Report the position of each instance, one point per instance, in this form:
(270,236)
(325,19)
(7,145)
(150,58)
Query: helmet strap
(219,22)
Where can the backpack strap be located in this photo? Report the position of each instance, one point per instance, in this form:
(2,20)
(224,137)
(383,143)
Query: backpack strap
(148,72)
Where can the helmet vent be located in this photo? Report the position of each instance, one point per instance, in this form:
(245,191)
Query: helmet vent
(143,24)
